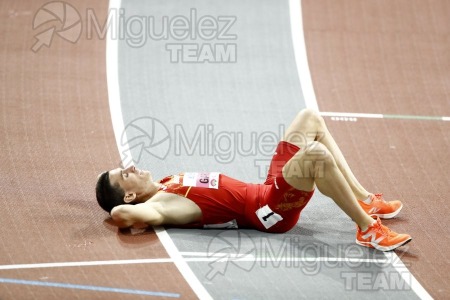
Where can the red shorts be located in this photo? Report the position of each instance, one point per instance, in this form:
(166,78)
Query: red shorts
(240,201)
(282,198)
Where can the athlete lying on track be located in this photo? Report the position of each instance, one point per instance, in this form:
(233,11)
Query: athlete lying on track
(199,200)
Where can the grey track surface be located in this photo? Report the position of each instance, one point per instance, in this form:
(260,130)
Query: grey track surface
(258,93)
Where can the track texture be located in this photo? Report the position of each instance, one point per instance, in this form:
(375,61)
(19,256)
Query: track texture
(386,57)
(391,57)
(56,136)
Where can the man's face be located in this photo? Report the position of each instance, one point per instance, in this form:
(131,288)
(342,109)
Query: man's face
(131,180)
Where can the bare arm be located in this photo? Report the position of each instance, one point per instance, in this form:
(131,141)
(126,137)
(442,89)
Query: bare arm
(128,215)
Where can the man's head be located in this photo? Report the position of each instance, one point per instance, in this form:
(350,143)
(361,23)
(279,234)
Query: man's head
(124,186)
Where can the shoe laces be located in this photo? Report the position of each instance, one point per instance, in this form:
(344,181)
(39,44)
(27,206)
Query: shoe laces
(378,227)
(383,230)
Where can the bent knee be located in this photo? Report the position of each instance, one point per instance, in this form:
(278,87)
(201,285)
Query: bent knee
(311,114)
(319,152)
(308,164)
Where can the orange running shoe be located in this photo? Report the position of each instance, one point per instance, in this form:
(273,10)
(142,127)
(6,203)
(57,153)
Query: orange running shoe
(381,208)
(380,237)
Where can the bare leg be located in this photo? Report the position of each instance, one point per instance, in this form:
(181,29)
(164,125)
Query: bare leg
(328,178)
(309,126)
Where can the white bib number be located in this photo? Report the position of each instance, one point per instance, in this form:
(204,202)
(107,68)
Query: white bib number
(267,217)
(204,180)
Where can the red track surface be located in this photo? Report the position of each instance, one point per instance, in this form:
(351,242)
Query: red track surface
(365,56)
(56,137)
(391,57)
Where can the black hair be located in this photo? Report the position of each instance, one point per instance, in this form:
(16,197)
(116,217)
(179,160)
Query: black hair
(108,195)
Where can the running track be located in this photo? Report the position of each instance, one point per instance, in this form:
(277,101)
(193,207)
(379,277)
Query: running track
(388,58)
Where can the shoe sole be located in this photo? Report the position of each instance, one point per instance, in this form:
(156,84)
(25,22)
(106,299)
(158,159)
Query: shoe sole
(389,216)
(383,248)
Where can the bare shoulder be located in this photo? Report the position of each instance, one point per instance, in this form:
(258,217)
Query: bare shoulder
(175,209)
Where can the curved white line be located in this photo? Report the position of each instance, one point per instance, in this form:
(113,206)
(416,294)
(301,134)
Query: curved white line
(112,75)
(301,59)
(112,57)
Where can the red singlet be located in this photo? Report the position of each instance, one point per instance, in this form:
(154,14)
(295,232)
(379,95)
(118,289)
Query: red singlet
(238,201)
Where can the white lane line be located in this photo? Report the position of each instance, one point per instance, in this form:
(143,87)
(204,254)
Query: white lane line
(112,60)
(346,116)
(408,277)
(301,57)
(204,256)
(195,257)
(112,74)
(304,66)
(86,263)
(181,264)
(351,115)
